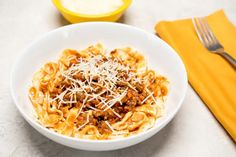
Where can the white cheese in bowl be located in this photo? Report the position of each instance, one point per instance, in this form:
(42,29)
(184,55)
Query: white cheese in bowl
(92,7)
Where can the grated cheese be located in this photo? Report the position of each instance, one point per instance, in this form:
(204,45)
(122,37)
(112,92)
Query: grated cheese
(87,121)
(107,76)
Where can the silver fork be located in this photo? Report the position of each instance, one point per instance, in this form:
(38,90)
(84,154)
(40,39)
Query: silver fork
(209,40)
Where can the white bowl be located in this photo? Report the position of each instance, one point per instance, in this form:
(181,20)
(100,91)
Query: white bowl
(160,56)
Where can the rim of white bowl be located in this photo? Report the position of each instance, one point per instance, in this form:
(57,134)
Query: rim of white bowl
(154,37)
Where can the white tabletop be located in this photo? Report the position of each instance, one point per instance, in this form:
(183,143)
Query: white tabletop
(193,132)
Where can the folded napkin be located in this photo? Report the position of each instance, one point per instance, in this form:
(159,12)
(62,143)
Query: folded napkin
(210,75)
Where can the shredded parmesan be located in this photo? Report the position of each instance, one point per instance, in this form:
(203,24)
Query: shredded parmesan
(87,121)
(90,87)
(107,78)
(150,95)
(114,131)
(109,125)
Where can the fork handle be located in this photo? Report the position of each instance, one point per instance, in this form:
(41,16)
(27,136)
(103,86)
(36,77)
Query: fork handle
(229,58)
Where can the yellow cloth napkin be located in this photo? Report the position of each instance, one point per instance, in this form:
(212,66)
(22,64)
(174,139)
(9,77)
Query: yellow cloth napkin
(210,75)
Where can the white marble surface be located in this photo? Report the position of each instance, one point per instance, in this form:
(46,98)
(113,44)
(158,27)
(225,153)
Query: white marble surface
(193,132)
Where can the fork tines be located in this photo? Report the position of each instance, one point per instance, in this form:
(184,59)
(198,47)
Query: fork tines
(205,33)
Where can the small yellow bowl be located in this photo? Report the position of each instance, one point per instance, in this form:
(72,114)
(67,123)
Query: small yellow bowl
(77,17)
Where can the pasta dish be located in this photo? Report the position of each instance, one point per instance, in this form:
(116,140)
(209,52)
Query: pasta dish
(99,95)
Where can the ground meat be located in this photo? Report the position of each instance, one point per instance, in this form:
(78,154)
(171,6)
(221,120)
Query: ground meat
(139,87)
(132,102)
(122,75)
(79,76)
(121,84)
(94,102)
(80,97)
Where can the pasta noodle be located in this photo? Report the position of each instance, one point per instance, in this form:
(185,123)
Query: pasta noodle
(91,94)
